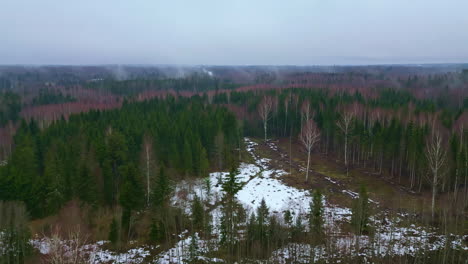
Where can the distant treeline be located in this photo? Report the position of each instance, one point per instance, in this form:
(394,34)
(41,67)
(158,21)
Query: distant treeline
(47,96)
(194,83)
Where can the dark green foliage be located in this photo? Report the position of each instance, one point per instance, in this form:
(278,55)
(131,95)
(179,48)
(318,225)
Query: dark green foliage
(288,218)
(114,232)
(316,215)
(298,228)
(131,195)
(360,213)
(155,232)
(193,248)
(262,222)
(90,155)
(232,212)
(198,213)
(162,188)
(10,107)
(231,185)
(47,96)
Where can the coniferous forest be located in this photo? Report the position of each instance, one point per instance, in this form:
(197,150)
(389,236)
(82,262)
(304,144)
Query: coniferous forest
(302,167)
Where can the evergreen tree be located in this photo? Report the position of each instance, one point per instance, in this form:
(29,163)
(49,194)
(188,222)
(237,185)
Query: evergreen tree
(162,188)
(230,186)
(53,180)
(197,213)
(360,213)
(193,248)
(114,165)
(114,232)
(187,157)
(155,233)
(131,196)
(87,186)
(262,222)
(316,214)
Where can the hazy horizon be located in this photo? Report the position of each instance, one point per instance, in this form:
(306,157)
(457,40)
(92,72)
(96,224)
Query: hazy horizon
(209,32)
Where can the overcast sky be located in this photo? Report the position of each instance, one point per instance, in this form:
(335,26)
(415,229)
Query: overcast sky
(241,32)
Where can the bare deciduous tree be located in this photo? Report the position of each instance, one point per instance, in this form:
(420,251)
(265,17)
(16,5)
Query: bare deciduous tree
(436,156)
(309,135)
(264,110)
(70,251)
(344,124)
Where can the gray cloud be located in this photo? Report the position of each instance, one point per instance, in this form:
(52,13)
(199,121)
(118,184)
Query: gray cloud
(304,32)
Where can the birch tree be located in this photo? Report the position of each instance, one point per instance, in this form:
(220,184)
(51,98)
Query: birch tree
(344,124)
(309,135)
(436,156)
(264,110)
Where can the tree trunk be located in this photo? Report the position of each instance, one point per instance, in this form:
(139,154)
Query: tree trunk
(308,163)
(434,190)
(147,177)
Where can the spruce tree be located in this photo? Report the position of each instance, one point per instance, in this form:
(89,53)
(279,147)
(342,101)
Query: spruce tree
(262,221)
(316,214)
(114,232)
(193,248)
(197,213)
(154,234)
(230,186)
(131,196)
(360,213)
(162,189)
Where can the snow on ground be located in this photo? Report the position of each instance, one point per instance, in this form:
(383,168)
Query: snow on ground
(94,252)
(278,196)
(185,191)
(397,244)
(182,251)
